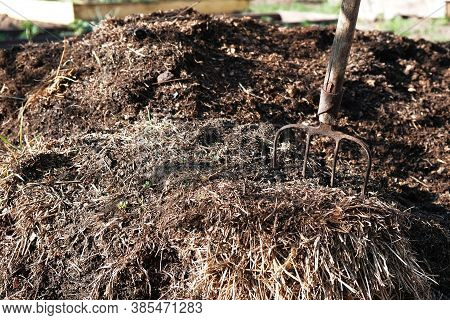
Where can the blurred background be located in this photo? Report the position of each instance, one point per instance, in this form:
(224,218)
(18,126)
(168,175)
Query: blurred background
(43,20)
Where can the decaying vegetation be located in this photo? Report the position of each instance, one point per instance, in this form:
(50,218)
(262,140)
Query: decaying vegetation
(139,166)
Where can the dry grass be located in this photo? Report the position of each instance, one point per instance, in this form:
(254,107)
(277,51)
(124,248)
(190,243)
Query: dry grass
(293,241)
(169,210)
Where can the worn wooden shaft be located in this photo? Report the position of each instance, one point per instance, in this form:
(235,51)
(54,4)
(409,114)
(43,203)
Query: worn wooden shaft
(331,93)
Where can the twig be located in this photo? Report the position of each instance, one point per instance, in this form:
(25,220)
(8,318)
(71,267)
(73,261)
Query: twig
(171,80)
(61,60)
(247,91)
(12,97)
(422,183)
(137,52)
(97,58)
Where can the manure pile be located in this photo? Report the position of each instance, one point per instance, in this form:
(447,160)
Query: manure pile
(135,163)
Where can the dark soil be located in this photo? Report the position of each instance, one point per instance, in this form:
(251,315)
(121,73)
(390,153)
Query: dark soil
(397,92)
(187,66)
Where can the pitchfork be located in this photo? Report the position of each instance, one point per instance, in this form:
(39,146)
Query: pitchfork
(331,94)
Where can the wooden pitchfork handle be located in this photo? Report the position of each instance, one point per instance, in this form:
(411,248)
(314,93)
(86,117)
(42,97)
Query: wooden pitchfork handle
(331,92)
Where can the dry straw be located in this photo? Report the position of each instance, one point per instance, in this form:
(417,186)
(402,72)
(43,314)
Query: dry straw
(191,210)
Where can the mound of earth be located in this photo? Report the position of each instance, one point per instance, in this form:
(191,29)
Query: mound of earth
(136,163)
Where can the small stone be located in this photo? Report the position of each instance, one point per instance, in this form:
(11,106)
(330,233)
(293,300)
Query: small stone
(408,69)
(292,90)
(140,34)
(165,76)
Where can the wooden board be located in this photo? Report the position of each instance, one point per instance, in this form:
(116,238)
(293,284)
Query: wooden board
(388,9)
(57,12)
(65,12)
(295,17)
(98,11)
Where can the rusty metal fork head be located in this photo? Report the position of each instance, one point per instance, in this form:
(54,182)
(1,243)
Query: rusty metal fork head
(325,130)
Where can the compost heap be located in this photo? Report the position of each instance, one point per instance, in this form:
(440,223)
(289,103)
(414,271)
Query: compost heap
(136,164)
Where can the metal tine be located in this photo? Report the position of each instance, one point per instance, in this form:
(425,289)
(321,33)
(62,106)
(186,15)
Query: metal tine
(305,158)
(277,138)
(364,147)
(369,167)
(275,149)
(327,131)
(335,156)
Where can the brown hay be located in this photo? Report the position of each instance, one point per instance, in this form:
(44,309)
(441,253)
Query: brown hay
(292,241)
(191,210)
